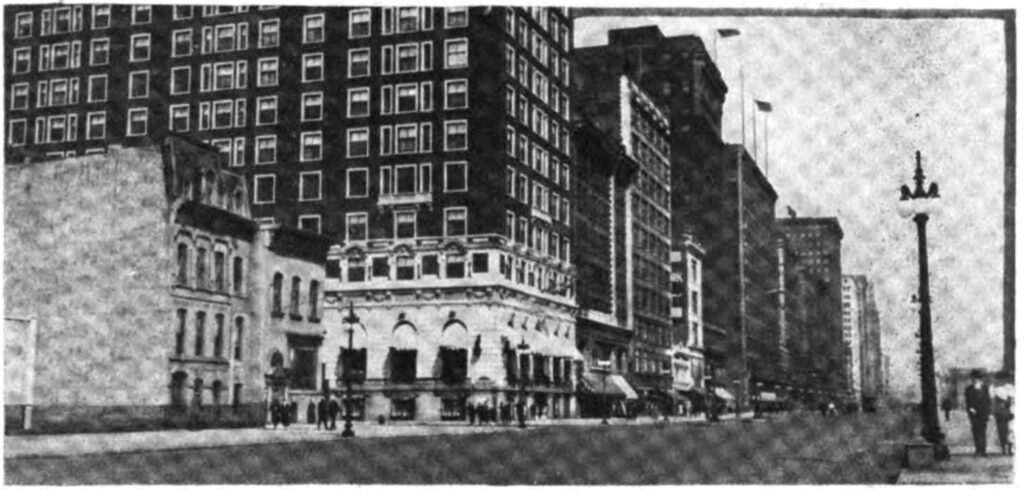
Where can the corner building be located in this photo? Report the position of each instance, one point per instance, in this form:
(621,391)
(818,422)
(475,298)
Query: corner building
(453,209)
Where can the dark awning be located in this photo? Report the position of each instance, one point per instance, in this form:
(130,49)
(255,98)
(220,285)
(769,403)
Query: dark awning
(610,385)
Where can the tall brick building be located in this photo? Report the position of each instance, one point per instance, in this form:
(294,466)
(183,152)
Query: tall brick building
(817,247)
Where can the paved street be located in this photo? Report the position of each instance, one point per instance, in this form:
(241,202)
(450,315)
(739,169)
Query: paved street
(797,449)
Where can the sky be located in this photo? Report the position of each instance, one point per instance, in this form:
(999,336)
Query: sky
(853,99)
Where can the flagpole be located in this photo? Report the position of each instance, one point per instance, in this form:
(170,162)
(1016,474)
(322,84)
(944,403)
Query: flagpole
(766,145)
(755,133)
(743,101)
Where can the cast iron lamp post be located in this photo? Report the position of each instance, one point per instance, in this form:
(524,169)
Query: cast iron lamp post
(524,347)
(918,204)
(350,322)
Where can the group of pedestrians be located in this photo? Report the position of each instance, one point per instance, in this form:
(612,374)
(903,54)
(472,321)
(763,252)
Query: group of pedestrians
(484,413)
(327,411)
(982,402)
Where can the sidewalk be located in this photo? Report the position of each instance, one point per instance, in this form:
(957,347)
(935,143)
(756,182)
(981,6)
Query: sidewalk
(963,468)
(63,445)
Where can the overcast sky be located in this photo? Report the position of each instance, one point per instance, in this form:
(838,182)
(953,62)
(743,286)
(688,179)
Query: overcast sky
(853,99)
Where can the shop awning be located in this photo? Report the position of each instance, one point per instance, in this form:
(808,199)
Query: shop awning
(724,394)
(610,385)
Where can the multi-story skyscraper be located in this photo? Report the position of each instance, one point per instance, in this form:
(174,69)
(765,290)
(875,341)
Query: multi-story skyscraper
(861,325)
(620,108)
(854,289)
(817,247)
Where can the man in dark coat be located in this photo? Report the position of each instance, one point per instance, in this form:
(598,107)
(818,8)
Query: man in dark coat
(471,412)
(332,411)
(979,406)
(947,406)
(321,413)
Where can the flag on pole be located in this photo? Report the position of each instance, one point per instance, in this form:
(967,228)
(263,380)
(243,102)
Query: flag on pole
(727,32)
(763,106)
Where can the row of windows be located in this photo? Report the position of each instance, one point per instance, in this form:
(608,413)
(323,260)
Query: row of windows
(518,26)
(219,349)
(542,124)
(517,186)
(313,301)
(68,55)
(405,224)
(193,270)
(537,157)
(403,20)
(456,55)
(533,78)
(549,243)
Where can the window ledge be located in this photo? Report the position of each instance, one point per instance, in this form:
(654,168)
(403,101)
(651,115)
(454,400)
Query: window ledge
(295,317)
(313,319)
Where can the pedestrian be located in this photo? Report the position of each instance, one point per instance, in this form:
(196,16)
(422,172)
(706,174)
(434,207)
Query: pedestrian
(521,412)
(947,406)
(332,411)
(321,414)
(471,412)
(1002,411)
(979,405)
(275,412)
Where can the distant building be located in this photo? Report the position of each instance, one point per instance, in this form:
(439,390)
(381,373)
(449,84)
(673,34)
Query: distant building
(159,302)
(817,247)
(854,332)
(687,322)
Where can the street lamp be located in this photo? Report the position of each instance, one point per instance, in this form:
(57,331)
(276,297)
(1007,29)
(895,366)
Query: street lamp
(606,368)
(918,204)
(350,322)
(524,347)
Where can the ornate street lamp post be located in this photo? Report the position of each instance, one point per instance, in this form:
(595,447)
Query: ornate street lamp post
(523,347)
(350,322)
(606,368)
(918,204)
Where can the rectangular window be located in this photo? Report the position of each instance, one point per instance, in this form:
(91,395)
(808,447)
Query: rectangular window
(140,48)
(310,223)
(223,76)
(205,77)
(264,186)
(309,186)
(454,222)
(408,19)
(385,180)
(358,102)
(179,117)
(387,21)
(19,96)
(23,25)
(358,142)
(455,179)
(405,224)
(99,54)
(240,113)
(456,17)
(358,62)
(17,131)
(407,98)
(312,67)
(455,135)
(225,38)
(405,179)
(22,60)
(266,110)
(387,59)
(61,56)
(270,33)
(238,152)
(312,146)
(426,96)
(456,53)
(182,43)
(355,224)
(142,14)
(387,99)
(100,16)
(267,72)
(456,94)
(313,28)
(312,106)
(222,114)
(408,58)
(357,183)
(138,122)
(359,23)
(138,84)
(241,74)
(206,41)
(387,139)
(96,125)
(204,115)
(427,55)
(426,137)
(182,13)
(266,149)
(407,140)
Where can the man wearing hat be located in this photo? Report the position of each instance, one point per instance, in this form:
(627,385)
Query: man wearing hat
(979,405)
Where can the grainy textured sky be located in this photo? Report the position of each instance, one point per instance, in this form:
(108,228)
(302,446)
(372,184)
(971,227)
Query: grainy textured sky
(853,99)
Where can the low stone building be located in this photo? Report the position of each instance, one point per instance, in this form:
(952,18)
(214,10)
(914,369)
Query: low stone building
(152,289)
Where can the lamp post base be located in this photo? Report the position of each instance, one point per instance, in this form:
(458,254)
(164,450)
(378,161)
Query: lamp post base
(348,432)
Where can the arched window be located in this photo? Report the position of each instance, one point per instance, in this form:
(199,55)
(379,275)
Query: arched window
(179,335)
(314,300)
(182,264)
(201,268)
(218,340)
(197,393)
(178,382)
(239,328)
(200,332)
(296,290)
(278,283)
